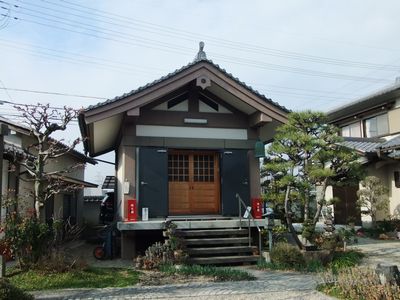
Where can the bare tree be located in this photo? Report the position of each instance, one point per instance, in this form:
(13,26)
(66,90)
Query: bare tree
(43,122)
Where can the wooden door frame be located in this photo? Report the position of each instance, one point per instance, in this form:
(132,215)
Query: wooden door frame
(217,176)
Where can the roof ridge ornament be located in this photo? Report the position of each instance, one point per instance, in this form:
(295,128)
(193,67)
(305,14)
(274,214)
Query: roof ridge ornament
(201,55)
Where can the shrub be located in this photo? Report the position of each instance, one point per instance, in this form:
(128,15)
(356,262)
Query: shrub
(279,233)
(27,236)
(346,235)
(358,283)
(347,259)
(9,291)
(156,255)
(308,231)
(327,241)
(287,256)
(59,262)
(314,266)
(171,252)
(218,273)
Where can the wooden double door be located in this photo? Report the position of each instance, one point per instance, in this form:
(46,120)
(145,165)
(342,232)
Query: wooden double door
(193,182)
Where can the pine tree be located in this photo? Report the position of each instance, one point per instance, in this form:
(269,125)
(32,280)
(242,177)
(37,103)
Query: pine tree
(373,197)
(305,158)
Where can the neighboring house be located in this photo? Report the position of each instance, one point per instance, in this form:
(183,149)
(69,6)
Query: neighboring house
(371,126)
(185,145)
(92,199)
(15,180)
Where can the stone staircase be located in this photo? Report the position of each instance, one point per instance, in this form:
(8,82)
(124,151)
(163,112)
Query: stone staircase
(218,246)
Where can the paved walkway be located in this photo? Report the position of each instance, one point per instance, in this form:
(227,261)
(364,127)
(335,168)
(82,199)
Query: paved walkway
(269,285)
(379,251)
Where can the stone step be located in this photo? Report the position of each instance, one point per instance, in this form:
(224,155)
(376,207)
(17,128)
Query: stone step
(212,232)
(223,260)
(216,241)
(220,250)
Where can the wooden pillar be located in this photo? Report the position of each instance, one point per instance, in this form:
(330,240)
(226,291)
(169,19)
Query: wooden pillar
(254,174)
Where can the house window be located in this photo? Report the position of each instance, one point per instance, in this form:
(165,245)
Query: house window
(203,168)
(178,167)
(376,126)
(352,130)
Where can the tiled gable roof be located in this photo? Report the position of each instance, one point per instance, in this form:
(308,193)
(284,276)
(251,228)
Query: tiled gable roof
(178,71)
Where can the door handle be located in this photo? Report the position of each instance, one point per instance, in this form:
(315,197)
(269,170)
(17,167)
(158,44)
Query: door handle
(143,183)
(245,182)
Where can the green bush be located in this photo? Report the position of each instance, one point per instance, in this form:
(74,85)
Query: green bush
(308,231)
(328,242)
(314,266)
(28,237)
(218,273)
(346,259)
(287,256)
(9,291)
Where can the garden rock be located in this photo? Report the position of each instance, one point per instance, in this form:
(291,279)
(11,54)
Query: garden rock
(388,274)
(383,236)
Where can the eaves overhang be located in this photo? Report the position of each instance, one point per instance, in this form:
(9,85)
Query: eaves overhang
(142,96)
(382,99)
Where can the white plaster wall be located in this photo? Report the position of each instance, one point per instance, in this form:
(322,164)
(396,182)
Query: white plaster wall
(25,196)
(120,177)
(394,192)
(64,162)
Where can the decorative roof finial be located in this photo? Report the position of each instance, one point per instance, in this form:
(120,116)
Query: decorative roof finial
(201,55)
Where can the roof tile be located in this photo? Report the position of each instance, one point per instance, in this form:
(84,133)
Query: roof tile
(177,71)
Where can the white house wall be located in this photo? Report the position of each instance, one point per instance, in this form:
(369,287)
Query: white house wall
(394,192)
(120,178)
(394,120)
(65,162)
(191,132)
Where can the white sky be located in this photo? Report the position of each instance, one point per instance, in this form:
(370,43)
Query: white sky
(302,54)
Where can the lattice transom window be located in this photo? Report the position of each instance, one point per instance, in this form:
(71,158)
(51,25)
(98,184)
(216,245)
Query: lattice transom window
(203,168)
(178,167)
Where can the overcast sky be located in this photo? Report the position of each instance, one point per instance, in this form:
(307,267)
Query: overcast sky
(302,54)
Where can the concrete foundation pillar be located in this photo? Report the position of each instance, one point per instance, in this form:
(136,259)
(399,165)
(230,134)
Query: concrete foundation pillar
(128,245)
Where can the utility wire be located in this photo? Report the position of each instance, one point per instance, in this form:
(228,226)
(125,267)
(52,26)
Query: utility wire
(29,46)
(279,53)
(246,62)
(74,54)
(194,36)
(51,93)
(260,65)
(5,90)
(166,28)
(73,60)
